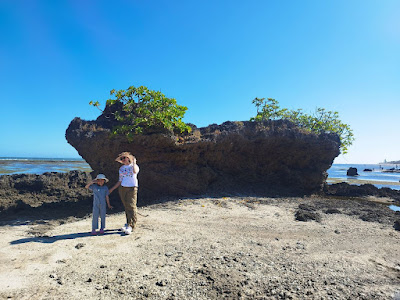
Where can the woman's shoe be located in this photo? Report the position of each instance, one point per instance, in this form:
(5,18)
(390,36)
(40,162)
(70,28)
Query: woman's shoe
(128,230)
(123,228)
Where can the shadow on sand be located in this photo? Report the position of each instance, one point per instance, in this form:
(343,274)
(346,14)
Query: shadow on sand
(72,236)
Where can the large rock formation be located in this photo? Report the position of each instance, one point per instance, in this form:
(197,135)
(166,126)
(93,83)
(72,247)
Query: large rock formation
(263,158)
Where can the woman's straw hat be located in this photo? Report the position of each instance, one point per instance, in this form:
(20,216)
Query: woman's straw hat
(125,154)
(101,176)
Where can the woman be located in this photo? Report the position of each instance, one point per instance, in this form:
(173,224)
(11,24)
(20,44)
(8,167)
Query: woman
(127,188)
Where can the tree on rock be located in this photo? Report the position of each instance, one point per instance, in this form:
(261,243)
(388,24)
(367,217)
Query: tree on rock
(142,110)
(320,121)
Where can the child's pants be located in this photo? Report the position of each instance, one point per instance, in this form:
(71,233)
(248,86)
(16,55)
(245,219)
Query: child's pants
(99,209)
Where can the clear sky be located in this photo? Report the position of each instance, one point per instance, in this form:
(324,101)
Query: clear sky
(212,56)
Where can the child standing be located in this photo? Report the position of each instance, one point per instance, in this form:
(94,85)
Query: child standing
(100,197)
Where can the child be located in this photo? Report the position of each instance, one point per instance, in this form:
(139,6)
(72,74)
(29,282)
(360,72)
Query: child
(100,197)
(128,188)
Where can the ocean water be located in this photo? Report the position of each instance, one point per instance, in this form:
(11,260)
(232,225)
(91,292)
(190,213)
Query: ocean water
(20,165)
(379,176)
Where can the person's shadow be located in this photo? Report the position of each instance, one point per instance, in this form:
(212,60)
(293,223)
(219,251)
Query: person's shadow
(72,236)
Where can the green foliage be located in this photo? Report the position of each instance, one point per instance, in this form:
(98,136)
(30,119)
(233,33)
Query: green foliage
(144,109)
(320,121)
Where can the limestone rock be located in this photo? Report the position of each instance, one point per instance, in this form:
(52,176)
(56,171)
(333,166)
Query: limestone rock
(234,158)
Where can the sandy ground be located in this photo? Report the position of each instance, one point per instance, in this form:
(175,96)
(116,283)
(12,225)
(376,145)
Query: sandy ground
(234,248)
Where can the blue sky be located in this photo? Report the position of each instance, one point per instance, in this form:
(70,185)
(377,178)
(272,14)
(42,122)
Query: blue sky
(212,56)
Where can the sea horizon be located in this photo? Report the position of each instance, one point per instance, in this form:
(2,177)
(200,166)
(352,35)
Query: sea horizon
(27,158)
(40,165)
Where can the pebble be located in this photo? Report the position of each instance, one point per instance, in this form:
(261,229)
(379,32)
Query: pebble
(61,261)
(79,245)
(161,283)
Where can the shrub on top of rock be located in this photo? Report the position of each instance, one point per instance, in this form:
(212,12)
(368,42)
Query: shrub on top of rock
(320,121)
(141,110)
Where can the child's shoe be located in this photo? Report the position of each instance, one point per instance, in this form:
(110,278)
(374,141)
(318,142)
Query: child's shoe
(93,232)
(101,231)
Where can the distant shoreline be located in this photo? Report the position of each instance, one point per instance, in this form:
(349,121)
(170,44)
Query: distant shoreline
(40,159)
(19,165)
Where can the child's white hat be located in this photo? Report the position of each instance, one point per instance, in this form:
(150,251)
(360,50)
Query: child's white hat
(101,176)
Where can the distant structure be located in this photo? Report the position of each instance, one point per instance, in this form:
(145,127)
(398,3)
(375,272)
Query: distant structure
(393,162)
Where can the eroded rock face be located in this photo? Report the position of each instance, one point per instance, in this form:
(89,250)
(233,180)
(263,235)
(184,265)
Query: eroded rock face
(270,158)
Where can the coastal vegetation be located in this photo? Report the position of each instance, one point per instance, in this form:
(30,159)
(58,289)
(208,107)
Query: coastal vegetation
(143,109)
(140,110)
(319,121)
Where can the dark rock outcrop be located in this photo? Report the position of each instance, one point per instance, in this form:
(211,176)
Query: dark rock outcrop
(50,195)
(352,172)
(396,225)
(349,190)
(307,213)
(269,158)
(317,209)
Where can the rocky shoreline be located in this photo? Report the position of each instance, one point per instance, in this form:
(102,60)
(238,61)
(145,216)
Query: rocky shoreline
(46,196)
(62,195)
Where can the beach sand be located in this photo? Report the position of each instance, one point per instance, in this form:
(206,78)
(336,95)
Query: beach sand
(233,248)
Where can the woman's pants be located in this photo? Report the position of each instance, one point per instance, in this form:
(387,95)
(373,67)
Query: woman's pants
(128,197)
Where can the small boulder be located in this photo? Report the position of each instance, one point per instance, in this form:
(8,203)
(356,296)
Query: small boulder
(397,225)
(333,211)
(352,172)
(305,216)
